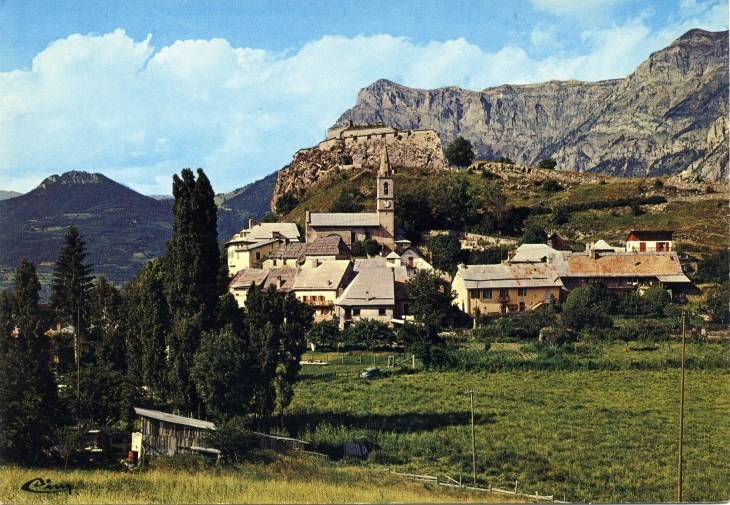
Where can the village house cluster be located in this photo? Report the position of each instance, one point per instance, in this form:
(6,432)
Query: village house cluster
(322,272)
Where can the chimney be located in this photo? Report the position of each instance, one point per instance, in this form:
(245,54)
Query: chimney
(367,295)
(251,222)
(280,281)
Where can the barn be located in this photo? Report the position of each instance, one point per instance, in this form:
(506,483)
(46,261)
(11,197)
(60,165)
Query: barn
(164,434)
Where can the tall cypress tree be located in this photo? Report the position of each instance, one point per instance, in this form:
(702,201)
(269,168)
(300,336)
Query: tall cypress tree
(29,408)
(191,269)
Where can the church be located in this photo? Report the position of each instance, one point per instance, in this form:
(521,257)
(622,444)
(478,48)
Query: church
(354,227)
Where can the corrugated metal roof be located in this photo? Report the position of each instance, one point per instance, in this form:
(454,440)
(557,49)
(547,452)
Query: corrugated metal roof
(374,286)
(334,219)
(327,275)
(175,419)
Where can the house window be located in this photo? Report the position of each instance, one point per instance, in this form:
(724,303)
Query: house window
(381,312)
(521,291)
(504,293)
(473,294)
(258,255)
(486,293)
(355,312)
(522,306)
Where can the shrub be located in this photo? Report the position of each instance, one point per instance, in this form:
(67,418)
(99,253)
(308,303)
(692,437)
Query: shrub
(552,185)
(548,163)
(655,300)
(325,334)
(368,334)
(233,438)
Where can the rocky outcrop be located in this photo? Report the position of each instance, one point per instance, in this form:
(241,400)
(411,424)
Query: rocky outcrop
(655,121)
(355,147)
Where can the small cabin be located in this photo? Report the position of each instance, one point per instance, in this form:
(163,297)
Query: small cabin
(164,434)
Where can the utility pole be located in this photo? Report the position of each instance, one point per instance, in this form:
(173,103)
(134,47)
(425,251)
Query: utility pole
(473,444)
(681,414)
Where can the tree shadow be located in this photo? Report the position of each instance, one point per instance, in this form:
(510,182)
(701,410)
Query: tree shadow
(397,423)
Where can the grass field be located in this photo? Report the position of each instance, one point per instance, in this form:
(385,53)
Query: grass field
(279,480)
(607,435)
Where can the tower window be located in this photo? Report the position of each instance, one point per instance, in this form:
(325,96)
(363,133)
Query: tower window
(385,188)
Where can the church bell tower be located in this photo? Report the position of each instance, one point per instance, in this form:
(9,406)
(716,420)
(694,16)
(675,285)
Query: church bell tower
(386,203)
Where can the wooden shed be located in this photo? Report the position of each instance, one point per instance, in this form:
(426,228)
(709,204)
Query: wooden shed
(167,434)
(278,443)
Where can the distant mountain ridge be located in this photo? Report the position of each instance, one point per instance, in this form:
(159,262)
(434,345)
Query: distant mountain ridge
(666,116)
(4,195)
(123,229)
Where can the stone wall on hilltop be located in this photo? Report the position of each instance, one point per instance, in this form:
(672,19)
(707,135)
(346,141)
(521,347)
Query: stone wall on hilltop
(359,147)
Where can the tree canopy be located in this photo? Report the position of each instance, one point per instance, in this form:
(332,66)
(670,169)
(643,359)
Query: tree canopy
(460,152)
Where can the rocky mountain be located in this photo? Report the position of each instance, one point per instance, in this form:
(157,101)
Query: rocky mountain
(122,228)
(357,147)
(667,116)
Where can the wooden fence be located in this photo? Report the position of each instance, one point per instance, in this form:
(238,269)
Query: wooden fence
(454,483)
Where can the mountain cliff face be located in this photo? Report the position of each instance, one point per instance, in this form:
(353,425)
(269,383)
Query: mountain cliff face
(658,120)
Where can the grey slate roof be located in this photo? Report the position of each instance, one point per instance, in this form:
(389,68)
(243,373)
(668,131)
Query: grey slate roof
(328,275)
(533,253)
(264,277)
(373,286)
(322,246)
(336,219)
(532,275)
(174,419)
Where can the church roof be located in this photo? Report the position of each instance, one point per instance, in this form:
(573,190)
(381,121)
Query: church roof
(336,219)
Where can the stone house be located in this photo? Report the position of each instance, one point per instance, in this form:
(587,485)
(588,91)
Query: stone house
(281,278)
(320,283)
(295,254)
(250,247)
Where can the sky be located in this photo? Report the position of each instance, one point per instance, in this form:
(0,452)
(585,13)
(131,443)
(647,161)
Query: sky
(139,90)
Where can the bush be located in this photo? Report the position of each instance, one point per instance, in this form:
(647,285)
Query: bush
(325,334)
(369,334)
(655,300)
(552,185)
(548,163)
(233,438)
(286,203)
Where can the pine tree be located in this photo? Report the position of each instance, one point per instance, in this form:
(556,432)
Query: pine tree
(70,297)
(192,263)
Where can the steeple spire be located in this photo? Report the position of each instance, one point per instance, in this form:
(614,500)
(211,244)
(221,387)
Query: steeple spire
(384,162)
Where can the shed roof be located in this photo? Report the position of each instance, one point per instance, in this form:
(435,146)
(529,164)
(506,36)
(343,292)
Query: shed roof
(327,275)
(174,419)
(373,286)
(532,275)
(337,219)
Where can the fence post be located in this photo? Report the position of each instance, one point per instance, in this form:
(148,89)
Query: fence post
(413,360)
(515,487)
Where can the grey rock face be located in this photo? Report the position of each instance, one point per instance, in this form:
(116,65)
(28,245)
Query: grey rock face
(655,121)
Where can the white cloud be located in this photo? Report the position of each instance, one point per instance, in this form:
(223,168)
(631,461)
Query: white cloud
(573,8)
(109,104)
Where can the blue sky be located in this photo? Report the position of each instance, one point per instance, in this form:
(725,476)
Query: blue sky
(138,90)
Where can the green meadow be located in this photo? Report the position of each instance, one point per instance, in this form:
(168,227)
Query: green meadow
(608,433)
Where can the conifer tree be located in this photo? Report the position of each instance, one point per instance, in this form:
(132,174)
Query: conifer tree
(191,270)
(29,408)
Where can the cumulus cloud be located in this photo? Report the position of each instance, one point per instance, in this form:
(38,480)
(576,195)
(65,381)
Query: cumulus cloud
(111,104)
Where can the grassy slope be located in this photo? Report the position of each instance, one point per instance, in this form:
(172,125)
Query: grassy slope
(699,221)
(591,435)
(285,480)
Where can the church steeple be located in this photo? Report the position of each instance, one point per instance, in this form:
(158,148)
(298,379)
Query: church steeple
(384,163)
(386,210)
